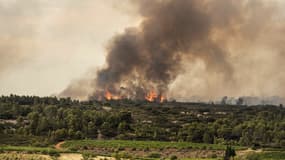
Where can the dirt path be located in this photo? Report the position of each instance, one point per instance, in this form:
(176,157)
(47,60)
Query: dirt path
(58,145)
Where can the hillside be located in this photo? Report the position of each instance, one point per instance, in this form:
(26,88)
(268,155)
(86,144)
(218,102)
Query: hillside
(47,120)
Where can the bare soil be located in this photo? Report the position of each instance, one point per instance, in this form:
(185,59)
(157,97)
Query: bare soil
(70,156)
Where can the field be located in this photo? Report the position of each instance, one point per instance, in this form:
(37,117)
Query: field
(30,150)
(17,156)
(80,144)
(184,159)
(147,149)
(150,150)
(266,156)
(21,140)
(182,150)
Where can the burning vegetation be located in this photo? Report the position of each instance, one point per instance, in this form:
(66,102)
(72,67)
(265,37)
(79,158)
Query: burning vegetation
(151,96)
(110,96)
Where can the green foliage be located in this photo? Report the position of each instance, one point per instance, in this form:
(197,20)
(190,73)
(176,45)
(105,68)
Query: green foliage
(87,156)
(145,145)
(230,152)
(173,157)
(17,156)
(214,156)
(208,138)
(253,156)
(121,155)
(52,119)
(266,156)
(154,155)
(40,150)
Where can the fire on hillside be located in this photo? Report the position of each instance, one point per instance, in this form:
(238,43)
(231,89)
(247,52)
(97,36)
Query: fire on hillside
(150,96)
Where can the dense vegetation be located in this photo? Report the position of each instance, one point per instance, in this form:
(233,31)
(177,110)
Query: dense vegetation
(143,145)
(31,150)
(15,156)
(49,119)
(266,156)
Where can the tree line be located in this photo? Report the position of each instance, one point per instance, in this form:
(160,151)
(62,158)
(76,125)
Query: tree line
(57,119)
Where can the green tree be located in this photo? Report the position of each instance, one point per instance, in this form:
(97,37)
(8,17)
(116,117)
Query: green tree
(34,121)
(230,152)
(60,134)
(208,138)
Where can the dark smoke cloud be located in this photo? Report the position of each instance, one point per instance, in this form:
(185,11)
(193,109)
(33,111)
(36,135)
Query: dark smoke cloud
(174,34)
(170,31)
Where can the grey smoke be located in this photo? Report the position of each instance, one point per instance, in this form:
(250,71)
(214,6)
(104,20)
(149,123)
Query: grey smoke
(170,31)
(174,34)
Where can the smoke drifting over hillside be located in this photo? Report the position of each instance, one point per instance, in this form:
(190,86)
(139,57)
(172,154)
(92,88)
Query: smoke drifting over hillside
(208,48)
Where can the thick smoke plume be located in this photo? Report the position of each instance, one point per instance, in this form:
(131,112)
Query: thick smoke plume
(149,57)
(176,36)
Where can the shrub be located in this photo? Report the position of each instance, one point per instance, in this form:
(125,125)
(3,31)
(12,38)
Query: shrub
(73,149)
(44,152)
(146,149)
(253,156)
(189,147)
(53,153)
(86,156)
(230,152)
(120,148)
(214,156)
(154,155)
(124,155)
(30,152)
(38,144)
(116,156)
(173,157)
(120,155)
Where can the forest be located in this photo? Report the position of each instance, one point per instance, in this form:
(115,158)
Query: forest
(42,121)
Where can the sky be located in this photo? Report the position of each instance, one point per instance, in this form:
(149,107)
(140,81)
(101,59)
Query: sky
(44,44)
(50,46)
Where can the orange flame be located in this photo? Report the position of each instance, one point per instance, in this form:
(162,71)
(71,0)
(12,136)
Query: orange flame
(110,96)
(151,96)
(116,97)
(162,99)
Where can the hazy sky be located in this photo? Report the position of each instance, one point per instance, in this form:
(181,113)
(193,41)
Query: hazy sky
(44,44)
(47,45)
